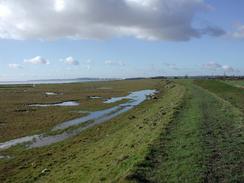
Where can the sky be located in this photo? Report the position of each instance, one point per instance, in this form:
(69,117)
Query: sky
(63,39)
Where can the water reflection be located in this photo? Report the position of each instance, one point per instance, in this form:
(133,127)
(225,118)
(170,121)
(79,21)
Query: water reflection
(94,118)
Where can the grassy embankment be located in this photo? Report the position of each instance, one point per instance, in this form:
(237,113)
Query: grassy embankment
(17,119)
(203,144)
(105,153)
(234,95)
(237,83)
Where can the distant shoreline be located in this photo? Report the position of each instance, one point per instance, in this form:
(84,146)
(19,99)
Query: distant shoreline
(53,81)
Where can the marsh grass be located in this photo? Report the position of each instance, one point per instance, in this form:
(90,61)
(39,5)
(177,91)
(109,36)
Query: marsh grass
(18,119)
(104,153)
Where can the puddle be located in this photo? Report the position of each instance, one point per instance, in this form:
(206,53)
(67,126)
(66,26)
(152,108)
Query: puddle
(94,97)
(4,157)
(135,98)
(51,93)
(14,142)
(133,95)
(94,118)
(62,104)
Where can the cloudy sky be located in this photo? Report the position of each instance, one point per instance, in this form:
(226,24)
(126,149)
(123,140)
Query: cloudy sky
(46,39)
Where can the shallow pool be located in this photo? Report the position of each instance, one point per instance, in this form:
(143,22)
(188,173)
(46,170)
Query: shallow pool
(94,118)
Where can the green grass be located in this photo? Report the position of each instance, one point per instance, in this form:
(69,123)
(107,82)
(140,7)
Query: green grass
(105,153)
(192,133)
(17,119)
(229,93)
(203,144)
(237,83)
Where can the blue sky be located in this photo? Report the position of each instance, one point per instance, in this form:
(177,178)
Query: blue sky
(211,40)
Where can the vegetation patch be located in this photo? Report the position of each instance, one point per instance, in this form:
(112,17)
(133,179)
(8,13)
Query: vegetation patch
(230,93)
(104,153)
(192,131)
(236,83)
(204,143)
(18,119)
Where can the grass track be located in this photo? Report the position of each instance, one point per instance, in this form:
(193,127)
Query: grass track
(230,93)
(203,144)
(236,83)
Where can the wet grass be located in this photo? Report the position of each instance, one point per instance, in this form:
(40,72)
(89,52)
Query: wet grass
(18,119)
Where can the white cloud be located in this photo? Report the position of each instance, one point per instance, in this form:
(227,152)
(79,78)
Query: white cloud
(114,63)
(239,32)
(228,68)
(100,19)
(59,5)
(14,66)
(36,60)
(215,66)
(212,66)
(70,61)
(4,11)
